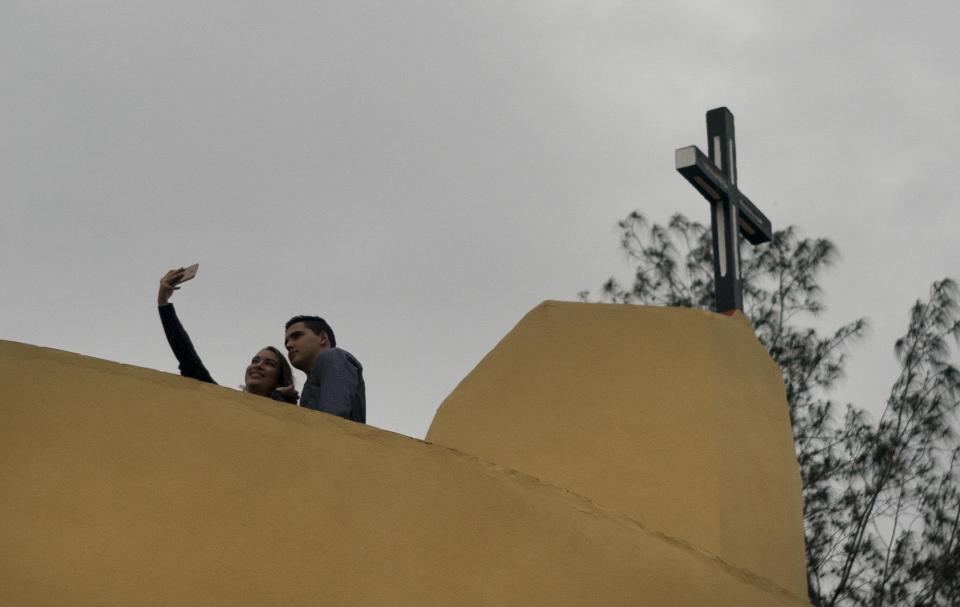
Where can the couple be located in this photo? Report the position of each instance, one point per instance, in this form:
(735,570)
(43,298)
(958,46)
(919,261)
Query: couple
(334,377)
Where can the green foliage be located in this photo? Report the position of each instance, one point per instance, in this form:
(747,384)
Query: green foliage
(881,498)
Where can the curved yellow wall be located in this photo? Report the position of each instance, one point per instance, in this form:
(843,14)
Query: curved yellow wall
(125,486)
(674,417)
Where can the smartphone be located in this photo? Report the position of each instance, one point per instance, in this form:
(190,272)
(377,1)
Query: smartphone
(188,273)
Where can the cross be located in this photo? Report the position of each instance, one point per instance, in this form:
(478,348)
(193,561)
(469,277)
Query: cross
(715,177)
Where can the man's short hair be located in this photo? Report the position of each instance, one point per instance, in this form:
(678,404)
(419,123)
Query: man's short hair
(315,324)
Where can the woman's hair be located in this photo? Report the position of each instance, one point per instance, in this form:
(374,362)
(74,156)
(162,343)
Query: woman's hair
(285,373)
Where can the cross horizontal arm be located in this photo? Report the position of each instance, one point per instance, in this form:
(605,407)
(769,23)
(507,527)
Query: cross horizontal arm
(701,173)
(713,185)
(754,225)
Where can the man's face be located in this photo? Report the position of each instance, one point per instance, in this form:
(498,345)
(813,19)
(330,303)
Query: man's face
(303,345)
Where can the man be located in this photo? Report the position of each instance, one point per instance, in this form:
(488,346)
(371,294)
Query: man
(334,377)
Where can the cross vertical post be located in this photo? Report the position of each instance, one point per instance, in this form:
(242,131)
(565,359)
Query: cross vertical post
(723,226)
(732,213)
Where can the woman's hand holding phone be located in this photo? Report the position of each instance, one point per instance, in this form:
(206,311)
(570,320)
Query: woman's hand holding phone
(170,280)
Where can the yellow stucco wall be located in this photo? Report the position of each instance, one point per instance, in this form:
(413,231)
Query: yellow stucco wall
(674,417)
(126,486)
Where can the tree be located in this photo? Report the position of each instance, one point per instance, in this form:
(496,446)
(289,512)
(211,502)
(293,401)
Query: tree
(881,497)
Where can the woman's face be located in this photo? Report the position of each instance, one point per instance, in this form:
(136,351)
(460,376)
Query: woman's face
(263,372)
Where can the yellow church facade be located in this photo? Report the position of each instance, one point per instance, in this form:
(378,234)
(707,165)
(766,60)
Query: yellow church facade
(599,455)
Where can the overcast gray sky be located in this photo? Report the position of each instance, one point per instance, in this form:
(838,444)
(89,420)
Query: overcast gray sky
(423,173)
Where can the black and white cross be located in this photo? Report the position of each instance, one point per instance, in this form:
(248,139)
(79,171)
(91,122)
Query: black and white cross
(716,178)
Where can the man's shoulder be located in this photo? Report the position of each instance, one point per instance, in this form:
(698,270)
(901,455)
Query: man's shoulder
(335,385)
(350,357)
(335,357)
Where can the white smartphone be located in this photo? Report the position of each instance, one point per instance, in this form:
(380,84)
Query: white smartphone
(188,273)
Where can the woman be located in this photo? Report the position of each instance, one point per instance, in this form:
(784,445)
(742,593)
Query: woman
(268,373)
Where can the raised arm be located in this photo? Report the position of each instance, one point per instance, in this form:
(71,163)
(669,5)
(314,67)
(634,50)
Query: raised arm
(190,363)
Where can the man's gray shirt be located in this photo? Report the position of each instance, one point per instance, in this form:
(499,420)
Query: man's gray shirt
(335,386)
